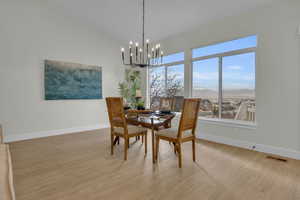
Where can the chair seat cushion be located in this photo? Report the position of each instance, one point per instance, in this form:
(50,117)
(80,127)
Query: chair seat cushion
(131,129)
(173,132)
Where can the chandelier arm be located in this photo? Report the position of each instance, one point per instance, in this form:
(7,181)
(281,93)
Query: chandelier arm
(141,65)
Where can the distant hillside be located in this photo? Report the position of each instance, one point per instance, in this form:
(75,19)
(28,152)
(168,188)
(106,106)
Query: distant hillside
(206,93)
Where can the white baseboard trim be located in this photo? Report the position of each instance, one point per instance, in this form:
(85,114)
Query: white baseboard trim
(27,136)
(289,153)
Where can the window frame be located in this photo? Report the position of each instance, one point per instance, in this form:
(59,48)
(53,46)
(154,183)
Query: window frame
(220,57)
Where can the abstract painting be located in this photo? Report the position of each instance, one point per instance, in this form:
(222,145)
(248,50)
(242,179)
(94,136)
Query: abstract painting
(64,80)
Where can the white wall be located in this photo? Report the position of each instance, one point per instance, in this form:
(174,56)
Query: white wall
(31,31)
(277,72)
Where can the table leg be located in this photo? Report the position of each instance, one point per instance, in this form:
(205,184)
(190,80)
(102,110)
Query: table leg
(153,140)
(153,145)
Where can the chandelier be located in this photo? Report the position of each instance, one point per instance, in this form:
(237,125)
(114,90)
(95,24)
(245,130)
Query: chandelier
(145,55)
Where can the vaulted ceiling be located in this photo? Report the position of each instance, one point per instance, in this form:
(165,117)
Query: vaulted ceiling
(122,18)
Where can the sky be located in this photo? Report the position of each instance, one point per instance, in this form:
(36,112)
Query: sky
(238,71)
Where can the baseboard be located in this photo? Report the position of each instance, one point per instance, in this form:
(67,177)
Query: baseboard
(26,136)
(289,153)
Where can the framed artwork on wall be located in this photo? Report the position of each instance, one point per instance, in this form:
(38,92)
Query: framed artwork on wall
(65,80)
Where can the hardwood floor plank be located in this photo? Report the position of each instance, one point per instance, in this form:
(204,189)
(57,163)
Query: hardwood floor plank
(79,166)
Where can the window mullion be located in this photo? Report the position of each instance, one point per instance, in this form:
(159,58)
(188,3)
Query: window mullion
(148,89)
(188,73)
(166,80)
(220,99)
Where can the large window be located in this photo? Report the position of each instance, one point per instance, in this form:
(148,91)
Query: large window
(224,77)
(239,87)
(206,86)
(166,80)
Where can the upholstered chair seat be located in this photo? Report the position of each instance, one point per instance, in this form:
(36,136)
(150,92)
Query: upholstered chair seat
(173,133)
(132,130)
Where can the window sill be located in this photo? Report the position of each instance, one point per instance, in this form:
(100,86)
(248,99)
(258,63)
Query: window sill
(225,122)
(229,123)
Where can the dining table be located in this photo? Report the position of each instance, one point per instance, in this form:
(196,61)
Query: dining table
(154,121)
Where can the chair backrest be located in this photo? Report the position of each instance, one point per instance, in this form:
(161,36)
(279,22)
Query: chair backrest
(166,103)
(189,116)
(116,112)
(178,103)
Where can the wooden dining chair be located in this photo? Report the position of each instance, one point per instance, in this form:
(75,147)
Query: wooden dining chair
(186,130)
(119,127)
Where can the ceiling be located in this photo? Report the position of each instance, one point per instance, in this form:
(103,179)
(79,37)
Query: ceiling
(122,19)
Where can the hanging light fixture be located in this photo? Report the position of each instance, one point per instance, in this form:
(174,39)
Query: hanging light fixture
(143,55)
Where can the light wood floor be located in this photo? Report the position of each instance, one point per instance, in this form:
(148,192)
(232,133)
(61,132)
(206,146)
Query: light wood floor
(79,167)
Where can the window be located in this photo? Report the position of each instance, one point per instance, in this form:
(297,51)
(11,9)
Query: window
(206,86)
(166,80)
(157,86)
(238,86)
(224,77)
(175,80)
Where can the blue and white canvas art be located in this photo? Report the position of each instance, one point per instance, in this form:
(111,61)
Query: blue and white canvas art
(64,80)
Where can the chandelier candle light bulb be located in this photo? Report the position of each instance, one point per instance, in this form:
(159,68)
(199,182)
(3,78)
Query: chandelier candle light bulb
(147,46)
(136,51)
(156,51)
(141,52)
(123,56)
(131,58)
(130,45)
(148,60)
